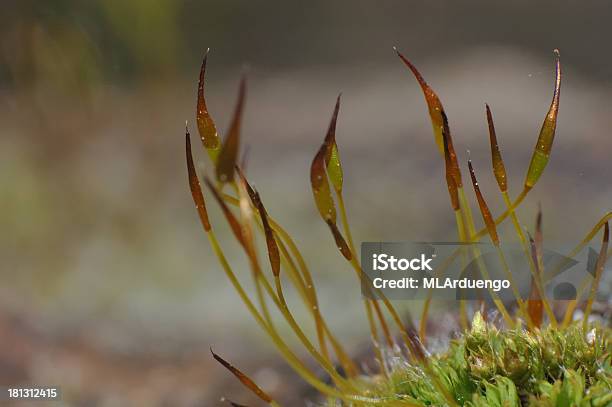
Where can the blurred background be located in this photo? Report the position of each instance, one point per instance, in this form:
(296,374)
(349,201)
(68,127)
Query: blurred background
(109,287)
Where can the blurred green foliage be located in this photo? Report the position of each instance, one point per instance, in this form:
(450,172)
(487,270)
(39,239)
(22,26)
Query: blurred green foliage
(67,42)
(72,42)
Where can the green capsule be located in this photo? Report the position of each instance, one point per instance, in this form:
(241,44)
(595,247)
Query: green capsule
(227,158)
(206,125)
(332,157)
(541,153)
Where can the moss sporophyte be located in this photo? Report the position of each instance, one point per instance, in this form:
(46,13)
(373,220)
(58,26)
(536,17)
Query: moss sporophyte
(531,355)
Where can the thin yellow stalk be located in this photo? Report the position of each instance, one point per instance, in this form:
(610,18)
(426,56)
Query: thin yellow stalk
(361,275)
(295,252)
(423,323)
(517,295)
(498,303)
(599,267)
(571,307)
(411,342)
(453,175)
(374,335)
(286,239)
(415,348)
(499,171)
(310,377)
(311,298)
(519,199)
(463,316)
(307,285)
(262,300)
(540,254)
(321,325)
(473,237)
(245,240)
(462,232)
(278,298)
(312,305)
(244,235)
(354,258)
(383,325)
(296,278)
(492,230)
(273,254)
(532,267)
(394,315)
(467,213)
(347,229)
(288,355)
(519,300)
(381,319)
(515,222)
(275,262)
(281,303)
(424,319)
(581,245)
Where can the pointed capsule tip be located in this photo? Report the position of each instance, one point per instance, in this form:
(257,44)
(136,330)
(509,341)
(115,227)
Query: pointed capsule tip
(204,60)
(539,211)
(399,54)
(488,110)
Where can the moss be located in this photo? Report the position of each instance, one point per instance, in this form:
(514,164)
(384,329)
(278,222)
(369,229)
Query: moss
(551,363)
(492,367)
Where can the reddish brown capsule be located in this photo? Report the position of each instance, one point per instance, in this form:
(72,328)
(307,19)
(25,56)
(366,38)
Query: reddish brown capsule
(250,384)
(206,125)
(449,150)
(340,242)
(499,170)
(228,156)
(231,219)
(273,252)
(450,172)
(484,208)
(194,184)
(433,101)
